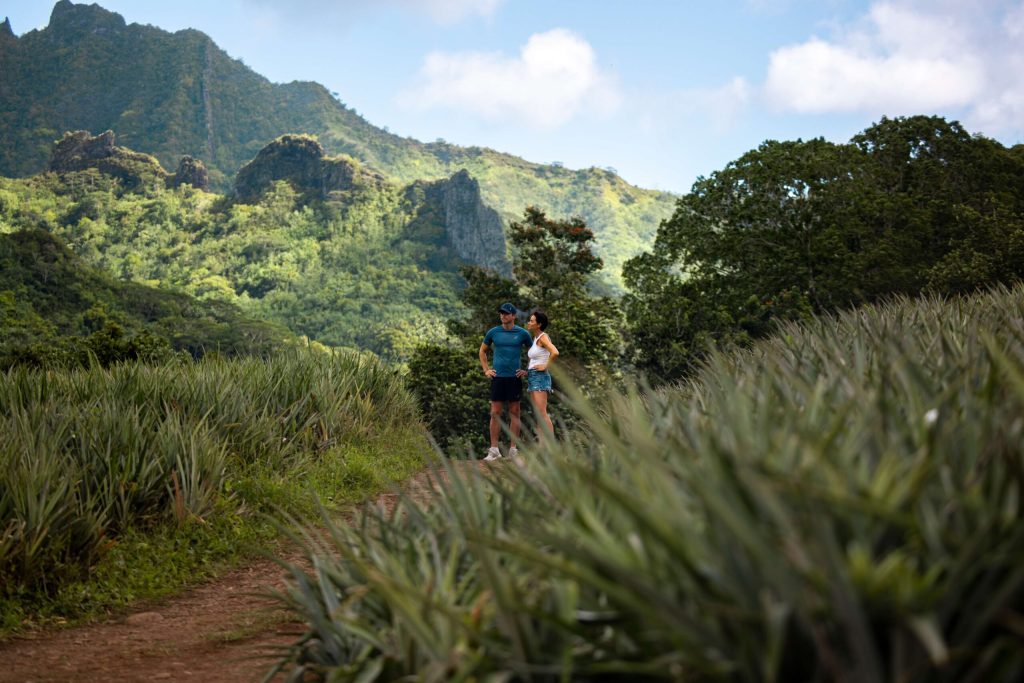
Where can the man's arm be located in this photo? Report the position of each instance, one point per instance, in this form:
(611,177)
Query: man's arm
(489,371)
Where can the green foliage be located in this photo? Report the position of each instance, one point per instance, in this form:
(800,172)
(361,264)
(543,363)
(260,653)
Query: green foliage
(485,290)
(624,218)
(842,501)
(103,347)
(348,273)
(553,263)
(910,205)
(554,257)
(452,395)
(58,311)
(88,457)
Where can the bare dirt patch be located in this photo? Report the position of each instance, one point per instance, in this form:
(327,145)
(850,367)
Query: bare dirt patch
(229,629)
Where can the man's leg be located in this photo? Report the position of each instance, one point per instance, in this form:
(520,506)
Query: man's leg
(496,407)
(513,411)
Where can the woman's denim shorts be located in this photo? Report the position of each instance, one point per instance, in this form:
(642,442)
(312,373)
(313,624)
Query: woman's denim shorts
(538,380)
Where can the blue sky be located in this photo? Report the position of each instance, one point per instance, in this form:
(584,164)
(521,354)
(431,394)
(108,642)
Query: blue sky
(663,91)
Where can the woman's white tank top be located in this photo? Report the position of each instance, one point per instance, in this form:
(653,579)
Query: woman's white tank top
(537,353)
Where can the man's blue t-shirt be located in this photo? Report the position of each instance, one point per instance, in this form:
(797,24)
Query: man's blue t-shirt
(507,346)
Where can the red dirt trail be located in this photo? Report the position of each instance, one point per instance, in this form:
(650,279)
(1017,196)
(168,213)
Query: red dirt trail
(228,629)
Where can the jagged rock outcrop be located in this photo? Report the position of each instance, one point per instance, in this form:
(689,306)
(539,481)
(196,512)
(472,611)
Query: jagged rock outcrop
(191,171)
(448,215)
(472,230)
(77,150)
(6,32)
(80,150)
(71,19)
(300,160)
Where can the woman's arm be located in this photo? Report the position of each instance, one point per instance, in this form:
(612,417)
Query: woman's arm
(545,341)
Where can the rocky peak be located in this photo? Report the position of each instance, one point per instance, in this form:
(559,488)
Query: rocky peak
(191,171)
(472,230)
(5,29)
(78,147)
(80,150)
(300,160)
(68,18)
(475,230)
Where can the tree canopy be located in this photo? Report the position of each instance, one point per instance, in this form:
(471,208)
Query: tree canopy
(792,228)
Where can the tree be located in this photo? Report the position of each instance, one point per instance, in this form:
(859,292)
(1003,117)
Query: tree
(752,242)
(552,265)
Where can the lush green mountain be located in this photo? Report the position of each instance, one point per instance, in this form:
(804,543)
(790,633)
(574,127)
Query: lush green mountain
(179,94)
(314,243)
(48,294)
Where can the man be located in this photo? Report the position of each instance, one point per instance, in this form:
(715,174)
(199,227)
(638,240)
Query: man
(508,341)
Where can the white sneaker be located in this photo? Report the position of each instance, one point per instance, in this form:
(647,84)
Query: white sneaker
(493,453)
(513,452)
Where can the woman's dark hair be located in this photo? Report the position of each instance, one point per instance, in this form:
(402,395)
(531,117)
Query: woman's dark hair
(542,319)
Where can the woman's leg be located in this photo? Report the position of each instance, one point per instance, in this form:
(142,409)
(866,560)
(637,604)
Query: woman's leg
(540,404)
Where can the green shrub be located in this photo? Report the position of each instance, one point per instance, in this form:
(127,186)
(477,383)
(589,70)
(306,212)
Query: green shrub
(453,395)
(841,502)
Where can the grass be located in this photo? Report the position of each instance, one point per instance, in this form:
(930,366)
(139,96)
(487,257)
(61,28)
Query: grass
(841,502)
(135,481)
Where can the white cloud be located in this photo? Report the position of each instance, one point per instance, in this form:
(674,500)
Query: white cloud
(819,77)
(441,11)
(725,103)
(554,77)
(1013,23)
(903,62)
(450,11)
(911,57)
(906,32)
(714,108)
(1002,110)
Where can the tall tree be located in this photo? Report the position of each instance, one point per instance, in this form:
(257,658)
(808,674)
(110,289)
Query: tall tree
(552,263)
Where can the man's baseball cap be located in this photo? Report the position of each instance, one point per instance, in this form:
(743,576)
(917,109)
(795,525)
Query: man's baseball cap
(507,308)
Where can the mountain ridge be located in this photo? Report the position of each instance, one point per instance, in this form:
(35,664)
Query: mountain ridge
(176,94)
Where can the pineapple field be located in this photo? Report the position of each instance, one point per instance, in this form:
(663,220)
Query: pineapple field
(842,501)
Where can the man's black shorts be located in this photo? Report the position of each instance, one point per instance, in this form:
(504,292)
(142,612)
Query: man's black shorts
(506,389)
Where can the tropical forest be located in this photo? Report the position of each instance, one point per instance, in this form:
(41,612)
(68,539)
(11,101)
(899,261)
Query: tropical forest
(235,316)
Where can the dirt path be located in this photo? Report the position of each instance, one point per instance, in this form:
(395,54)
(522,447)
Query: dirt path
(224,630)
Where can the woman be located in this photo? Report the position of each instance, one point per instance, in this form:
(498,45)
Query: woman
(538,380)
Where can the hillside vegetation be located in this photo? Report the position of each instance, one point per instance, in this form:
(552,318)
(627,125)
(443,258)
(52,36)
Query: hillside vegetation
(791,230)
(840,502)
(372,269)
(178,94)
(55,309)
